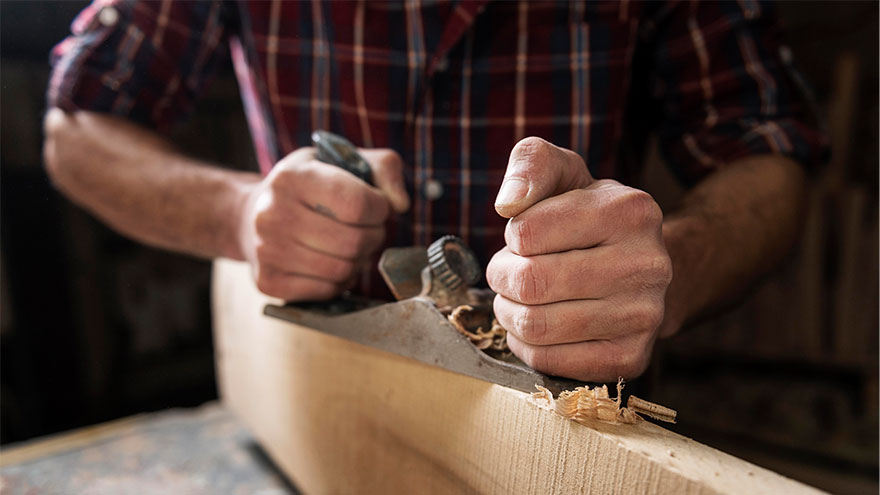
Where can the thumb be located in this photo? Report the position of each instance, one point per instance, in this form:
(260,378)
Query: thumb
(387,168)
(538,170)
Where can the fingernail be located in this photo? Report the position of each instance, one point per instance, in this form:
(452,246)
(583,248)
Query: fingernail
(512,190)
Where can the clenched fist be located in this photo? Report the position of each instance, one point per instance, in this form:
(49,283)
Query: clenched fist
(308,226)
(581,283)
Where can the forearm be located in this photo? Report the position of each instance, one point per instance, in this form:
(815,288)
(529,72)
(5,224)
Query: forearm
(135,181)
(732,228)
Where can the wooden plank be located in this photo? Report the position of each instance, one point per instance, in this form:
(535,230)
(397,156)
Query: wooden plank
(338,417)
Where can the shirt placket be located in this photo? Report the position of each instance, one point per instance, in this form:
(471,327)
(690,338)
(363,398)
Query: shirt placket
(423,66)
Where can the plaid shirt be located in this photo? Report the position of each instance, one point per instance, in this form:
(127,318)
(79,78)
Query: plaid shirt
(453,85)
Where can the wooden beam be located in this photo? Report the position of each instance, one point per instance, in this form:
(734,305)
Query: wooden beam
(338,417)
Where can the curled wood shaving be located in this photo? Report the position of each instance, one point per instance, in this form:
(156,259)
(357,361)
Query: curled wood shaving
(585,403)
(581,404)
(470,322)
(651,409)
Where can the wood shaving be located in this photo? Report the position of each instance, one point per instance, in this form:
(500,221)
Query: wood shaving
(471,321)
(581,404)
(650,409)
(584,403)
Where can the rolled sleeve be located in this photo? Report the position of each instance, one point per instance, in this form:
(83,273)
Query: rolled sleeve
(143,60)
(727,89)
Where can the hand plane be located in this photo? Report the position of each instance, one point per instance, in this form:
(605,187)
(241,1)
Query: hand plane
(429,284)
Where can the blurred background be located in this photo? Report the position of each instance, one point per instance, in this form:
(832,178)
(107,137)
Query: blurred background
(95,327)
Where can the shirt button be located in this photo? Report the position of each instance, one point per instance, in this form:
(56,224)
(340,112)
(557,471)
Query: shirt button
(442,65)
(785,54)
(108,16)
(433,190)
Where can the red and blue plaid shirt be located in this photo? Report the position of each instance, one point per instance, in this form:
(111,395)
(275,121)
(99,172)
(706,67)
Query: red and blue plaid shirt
(453,85)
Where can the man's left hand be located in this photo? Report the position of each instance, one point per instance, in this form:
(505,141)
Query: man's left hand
(582,281)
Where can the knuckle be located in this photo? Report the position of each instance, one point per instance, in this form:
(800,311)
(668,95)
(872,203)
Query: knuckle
(527,354)
(531,322)
(535,357)
(279,182)
(530,147)
(390,159)
(263,221)
(297,157)
(289,175)
(655,271)
(527,152)
(522,237)
(640,210)
(628,363)
(661,269)
(635,363)
(648,318)
(307,173)
(526,283)
(626,366)
(495,274)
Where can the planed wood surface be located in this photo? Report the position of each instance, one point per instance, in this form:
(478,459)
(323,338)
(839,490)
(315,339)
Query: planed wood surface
(339,417)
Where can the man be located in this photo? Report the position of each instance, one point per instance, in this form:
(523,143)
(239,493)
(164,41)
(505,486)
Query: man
(455,104)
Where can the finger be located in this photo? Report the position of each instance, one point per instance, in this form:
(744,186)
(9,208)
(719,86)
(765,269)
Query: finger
(296,258)
(304,154)
(605,212)
(538,170)
(387,168)
(292,221)
(294,287)
(581,274)
(576,321)
(331,190)
(591,361)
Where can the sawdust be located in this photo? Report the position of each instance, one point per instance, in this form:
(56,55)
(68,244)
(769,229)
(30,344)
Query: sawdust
(585,403)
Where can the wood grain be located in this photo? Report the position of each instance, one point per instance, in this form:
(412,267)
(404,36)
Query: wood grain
(339,417)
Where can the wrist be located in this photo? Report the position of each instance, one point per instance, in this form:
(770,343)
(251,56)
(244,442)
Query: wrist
(238,203)
(683,235)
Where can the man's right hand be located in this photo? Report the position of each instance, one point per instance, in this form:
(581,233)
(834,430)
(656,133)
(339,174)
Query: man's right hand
(304,228)
(308,226)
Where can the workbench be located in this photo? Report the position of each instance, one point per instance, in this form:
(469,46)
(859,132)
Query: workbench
(193,451)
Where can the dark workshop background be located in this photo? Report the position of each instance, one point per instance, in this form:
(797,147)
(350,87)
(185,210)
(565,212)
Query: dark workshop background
(94,327)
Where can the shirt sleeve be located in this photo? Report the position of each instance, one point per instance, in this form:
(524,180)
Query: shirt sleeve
(142,60)
(726,88)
